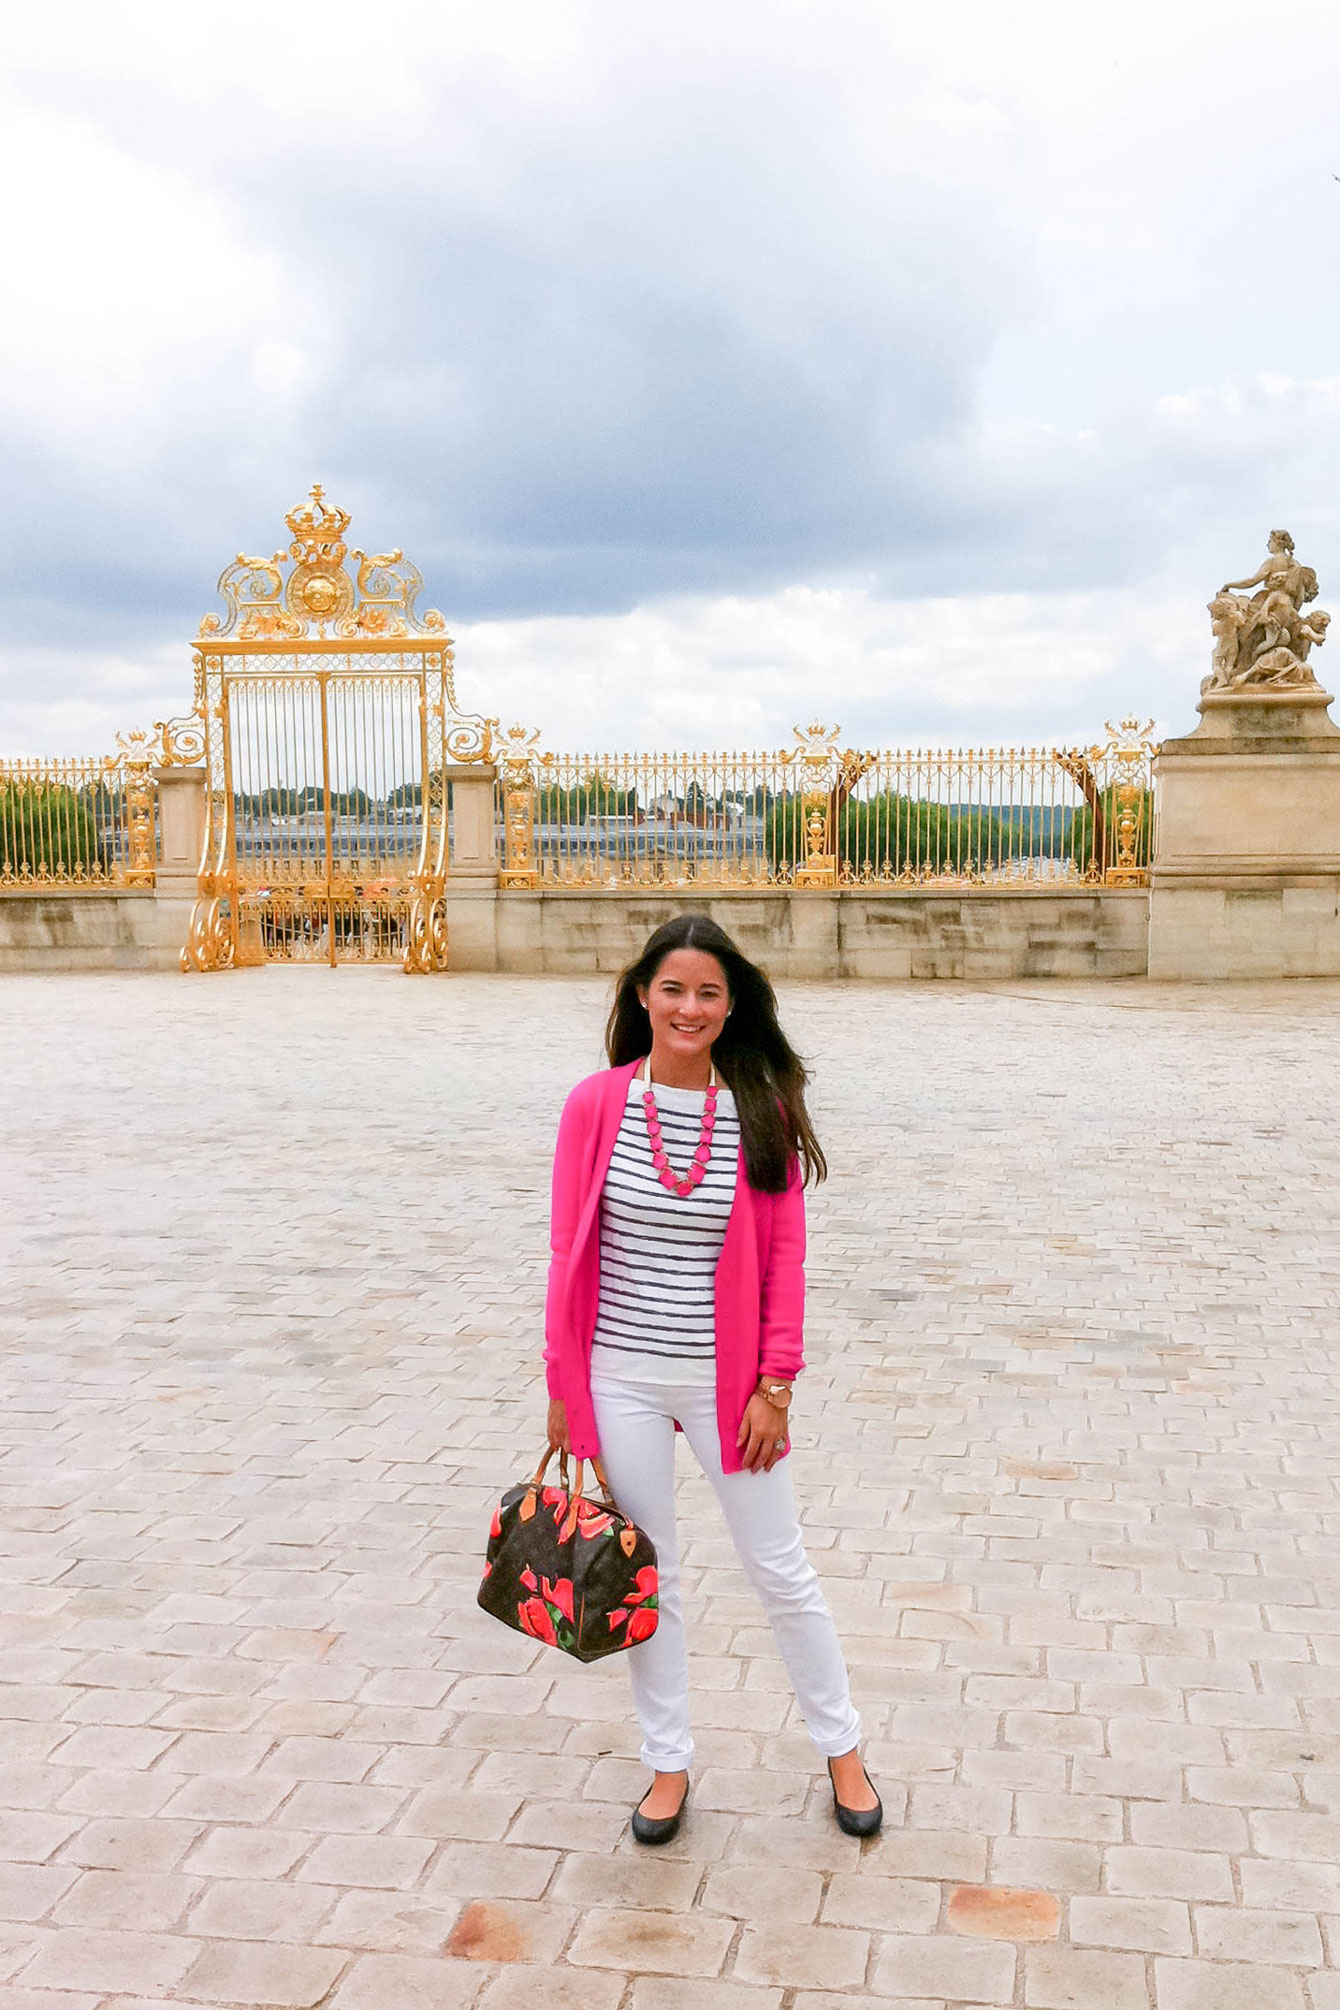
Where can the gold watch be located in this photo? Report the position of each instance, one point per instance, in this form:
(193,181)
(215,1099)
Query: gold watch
(776,1393)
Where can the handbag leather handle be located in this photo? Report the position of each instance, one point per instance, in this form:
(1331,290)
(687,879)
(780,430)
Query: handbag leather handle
(597,1467)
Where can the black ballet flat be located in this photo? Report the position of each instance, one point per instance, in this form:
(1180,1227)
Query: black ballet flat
(649,1831)
(857,1821)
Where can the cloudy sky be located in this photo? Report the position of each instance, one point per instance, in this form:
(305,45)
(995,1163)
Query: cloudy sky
(921,367)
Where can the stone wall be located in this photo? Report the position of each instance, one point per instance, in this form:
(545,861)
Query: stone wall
(891,933)
(1246,879)
(969,933)
(94,928)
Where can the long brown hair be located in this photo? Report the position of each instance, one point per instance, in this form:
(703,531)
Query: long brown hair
(756,1060)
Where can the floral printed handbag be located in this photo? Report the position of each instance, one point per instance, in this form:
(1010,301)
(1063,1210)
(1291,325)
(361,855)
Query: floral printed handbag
(569,1571)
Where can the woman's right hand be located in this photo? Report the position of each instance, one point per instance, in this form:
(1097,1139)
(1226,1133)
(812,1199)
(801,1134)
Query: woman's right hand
(557,1426)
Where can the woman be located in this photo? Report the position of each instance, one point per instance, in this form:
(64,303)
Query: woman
(675,1301)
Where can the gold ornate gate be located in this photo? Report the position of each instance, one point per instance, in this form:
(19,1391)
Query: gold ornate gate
(327,710)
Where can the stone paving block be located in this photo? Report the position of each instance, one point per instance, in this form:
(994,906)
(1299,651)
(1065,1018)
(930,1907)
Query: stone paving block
(961,1859)
(309,1758)
(1135,1872)
(388,1923)
(15,1997)
(142,1901)
(408,1982)
(18,1944)
(209,1797)
(241,1973)
(30,1890)
(1306,1836)
(497,1870)
(247,1853)
(327,1807)
(386,1863)
(881,1904)
(590,1825)
(1035,1863)
(215,1752)
(1192,1826)
(449,1815)
(998,1912)
(661,1992)
(1274,1881)
(656,1943)
(961,1971)
(131,1845)
(648,1880)
(549,1988)
(29,1836)
(827,1999)
(250,1909)
(1072,1978)
(1080,1817)
(110,1963)
(509,1930)
(1247,1933)
(1148,1925)
(814,1957)
(118,1794)
(1222,1985)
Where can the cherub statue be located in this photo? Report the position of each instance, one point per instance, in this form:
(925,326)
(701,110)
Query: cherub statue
(1265,640)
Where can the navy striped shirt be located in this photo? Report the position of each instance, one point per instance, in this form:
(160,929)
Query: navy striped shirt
(658,1251)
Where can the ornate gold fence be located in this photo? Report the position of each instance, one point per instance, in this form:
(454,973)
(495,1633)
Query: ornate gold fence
(819,814)
(327,713)
(83,822)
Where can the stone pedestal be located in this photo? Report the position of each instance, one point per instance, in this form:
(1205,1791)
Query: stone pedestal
(1246,871)
(474,848)
(472,868)
(181,840)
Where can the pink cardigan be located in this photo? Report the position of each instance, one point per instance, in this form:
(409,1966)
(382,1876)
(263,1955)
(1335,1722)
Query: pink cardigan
(760,1279)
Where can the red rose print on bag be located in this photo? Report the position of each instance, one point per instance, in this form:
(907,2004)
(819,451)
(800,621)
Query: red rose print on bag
(535,1620)
(578,1576)
(560,1595)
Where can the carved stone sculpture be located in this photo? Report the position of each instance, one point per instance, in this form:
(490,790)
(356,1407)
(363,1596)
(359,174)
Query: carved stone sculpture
(1263,642)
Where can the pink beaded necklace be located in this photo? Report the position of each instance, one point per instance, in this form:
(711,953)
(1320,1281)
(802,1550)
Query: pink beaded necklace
(660,1158)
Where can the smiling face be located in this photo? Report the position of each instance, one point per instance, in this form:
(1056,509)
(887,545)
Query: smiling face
(687,1002)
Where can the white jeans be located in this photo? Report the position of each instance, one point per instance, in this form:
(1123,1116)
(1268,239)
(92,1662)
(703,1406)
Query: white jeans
(636,1423)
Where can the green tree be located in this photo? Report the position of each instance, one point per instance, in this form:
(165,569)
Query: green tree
(899,832)
(46,828)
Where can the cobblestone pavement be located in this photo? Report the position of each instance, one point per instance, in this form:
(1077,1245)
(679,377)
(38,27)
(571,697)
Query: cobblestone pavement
(1067,1449)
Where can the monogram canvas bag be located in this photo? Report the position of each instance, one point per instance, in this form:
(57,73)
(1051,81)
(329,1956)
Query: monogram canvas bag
(570,1571)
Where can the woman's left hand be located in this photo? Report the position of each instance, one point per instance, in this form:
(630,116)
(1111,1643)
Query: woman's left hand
(762,1433)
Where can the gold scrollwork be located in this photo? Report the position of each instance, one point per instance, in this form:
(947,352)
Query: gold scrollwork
(306,591)
(426,934)
(816,756)
(516,762)
(1126,762)
(133,765)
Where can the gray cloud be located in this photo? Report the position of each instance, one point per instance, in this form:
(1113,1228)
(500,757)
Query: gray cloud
(587,313)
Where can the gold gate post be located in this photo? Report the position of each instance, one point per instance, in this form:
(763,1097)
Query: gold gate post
(815,757)
(134,764)
(517,761)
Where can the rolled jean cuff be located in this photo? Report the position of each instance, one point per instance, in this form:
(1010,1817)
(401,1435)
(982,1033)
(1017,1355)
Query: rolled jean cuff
(833,1748)
(667,1762)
